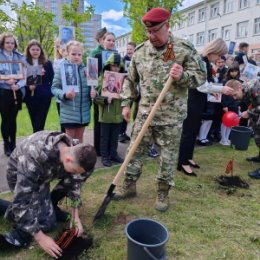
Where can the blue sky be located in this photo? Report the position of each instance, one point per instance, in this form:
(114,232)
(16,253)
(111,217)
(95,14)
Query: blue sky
(112,14)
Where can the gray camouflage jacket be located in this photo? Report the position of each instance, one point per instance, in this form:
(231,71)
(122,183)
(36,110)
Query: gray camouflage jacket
(31,168)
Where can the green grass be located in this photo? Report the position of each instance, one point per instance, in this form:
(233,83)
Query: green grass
(204,221)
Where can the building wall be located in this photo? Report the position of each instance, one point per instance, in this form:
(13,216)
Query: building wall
(121,43)
(224,19)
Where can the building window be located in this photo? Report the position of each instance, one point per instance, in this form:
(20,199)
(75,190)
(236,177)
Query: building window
(212,34)
(202,15)
(180,24)
(214,10)
(242,29)
(228,6)
(200,38)
(191,18)
(243,4)
(257,26)
(191,38)
(225,32)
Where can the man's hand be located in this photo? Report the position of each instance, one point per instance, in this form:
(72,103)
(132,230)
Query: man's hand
(78,226)
(176,71)
(10,81)
(227,90)
(245,114)
(14,87)
(32,87)
(126,113)
(48,244)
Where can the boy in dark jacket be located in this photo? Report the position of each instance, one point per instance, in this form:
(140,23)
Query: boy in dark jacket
(39,159)
(110,114)
(250,94)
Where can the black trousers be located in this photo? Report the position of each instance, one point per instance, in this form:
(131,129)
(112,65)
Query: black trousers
(109,139)
(191,125)
(38,112)
(123,127)
(97,134)
(9,108)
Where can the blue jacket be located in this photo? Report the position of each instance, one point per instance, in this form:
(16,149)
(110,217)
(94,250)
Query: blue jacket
(16,57)
(77,111)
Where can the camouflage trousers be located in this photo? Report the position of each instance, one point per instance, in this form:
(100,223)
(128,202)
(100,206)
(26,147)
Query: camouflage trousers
(167,137)
(256,127)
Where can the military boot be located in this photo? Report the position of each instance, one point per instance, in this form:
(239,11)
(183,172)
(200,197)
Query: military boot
(128,190)
(162,200)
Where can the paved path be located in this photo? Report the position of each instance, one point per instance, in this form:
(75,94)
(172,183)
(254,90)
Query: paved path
(88,137)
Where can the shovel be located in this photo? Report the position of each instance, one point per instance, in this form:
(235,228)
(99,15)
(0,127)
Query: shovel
(132,150)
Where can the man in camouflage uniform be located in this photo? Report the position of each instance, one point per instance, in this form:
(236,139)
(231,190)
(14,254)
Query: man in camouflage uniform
(38,160)
(250,95)
(152,63)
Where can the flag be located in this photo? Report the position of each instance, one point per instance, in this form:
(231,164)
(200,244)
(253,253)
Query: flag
(229,167)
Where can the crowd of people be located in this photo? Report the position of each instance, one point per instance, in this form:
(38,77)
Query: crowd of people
(204,87)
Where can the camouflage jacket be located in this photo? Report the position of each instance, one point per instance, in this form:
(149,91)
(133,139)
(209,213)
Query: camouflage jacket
(31,168)
(148,68)
(251,97)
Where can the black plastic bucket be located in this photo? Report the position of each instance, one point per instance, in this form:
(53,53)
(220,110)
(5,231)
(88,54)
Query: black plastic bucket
(240,136)
(146,240)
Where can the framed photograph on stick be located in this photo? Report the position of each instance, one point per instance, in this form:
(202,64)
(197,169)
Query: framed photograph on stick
(69,77)
(112,83)
(250,72)
(66,34)
(105,56)
(92,71)
(34,75)
(11,70)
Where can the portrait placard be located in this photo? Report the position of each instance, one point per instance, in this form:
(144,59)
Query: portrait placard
(112,83)
(66,34)
(34,75)
(105,56)
(127,63)
(92,71)
(250,71)
(214,98)
(11,70)
(231,47)
(69,77)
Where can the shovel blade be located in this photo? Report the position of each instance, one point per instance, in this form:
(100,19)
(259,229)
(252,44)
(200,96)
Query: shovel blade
(101,211)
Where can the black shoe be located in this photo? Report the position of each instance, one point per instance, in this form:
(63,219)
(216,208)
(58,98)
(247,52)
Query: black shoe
(253,159)
(117,159)
(106,162)
(180,168)
(121,138)
(194,165)
(255,174)
(127,137)
(204,142)
(7,149)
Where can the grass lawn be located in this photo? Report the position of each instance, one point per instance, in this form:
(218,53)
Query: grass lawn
(204,221)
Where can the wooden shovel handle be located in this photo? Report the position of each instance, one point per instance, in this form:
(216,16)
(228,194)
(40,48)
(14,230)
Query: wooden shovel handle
(140,135)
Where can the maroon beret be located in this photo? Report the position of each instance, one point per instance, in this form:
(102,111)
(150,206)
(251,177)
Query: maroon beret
(155,16)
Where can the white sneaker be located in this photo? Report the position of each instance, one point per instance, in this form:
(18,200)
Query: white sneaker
(224,143)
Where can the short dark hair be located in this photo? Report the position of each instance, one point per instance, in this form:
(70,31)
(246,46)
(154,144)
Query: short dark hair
(243,45)
(85,155)
(132,44)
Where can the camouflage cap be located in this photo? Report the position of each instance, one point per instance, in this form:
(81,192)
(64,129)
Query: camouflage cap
(100,33)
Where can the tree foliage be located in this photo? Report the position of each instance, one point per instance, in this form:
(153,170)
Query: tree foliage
(134,10)
(72,16)
(33,22)
(5,20)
